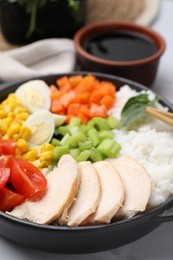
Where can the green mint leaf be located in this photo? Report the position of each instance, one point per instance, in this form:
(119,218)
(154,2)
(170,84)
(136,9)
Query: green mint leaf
(134,109)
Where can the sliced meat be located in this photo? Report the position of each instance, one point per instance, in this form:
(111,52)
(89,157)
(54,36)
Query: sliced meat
(112,192)
(88,195)
(63,183)
(137,184)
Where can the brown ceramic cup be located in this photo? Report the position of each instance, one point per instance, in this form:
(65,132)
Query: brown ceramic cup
(142,70)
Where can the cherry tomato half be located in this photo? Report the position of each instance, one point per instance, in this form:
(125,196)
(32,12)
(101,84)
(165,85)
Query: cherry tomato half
(4,176)
(4,170)
(9,199)
(26,178)
(7,147)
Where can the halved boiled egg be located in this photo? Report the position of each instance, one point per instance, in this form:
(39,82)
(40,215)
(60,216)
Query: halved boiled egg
(35,95)
(42,126)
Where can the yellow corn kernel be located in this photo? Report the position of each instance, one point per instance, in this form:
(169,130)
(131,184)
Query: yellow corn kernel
(5,137)
(47,147)
(36,150)
(44,165)
(37,164)
(15,137)
(25,132)
(3,127)
(2,113)
(30,155)
(19,109)
(12,96)
(22,115)
(8,120)
(18,121)
(15,128)
(7,109)
(12,105)
(46,156)
(11,114)
(22,145)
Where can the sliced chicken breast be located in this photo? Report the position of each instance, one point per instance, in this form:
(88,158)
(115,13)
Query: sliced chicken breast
(137,185)
(112,192)
(88,195)
(63,183)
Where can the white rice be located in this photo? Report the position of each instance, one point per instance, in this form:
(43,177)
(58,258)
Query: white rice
(151,145)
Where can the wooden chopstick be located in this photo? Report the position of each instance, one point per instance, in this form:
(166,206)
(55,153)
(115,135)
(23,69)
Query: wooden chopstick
(164,116)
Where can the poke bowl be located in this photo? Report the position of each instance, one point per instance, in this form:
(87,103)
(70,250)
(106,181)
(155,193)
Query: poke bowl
(89,232)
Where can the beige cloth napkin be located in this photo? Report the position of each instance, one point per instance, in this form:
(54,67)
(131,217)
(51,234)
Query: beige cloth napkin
(43,57)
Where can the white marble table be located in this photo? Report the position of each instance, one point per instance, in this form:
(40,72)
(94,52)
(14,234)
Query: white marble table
(158,245)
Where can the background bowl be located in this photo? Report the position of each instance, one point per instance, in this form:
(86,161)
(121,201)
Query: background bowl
(84,239)
(141,70)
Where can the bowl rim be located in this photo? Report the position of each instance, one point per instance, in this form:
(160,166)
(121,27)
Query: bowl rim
(87,30)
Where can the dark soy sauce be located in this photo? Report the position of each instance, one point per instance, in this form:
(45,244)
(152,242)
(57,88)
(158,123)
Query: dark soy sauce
(120,46)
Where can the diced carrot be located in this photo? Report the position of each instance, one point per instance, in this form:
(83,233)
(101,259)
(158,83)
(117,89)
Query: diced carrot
(107,101)
(83,117)
(108,88)
(75,80)
(86,85)
(104,90)
(84,109)
(83,98)
(73,109)
(66,88)
(61,82)
(95,97)
(67,98)
(53,88)
(56,95)
(57,107)
(96,110)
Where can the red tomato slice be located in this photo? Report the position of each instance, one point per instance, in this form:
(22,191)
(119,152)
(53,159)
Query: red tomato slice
(4,170)
(7,147)
(4,176)
(26,178)
(9,199)
(5,161)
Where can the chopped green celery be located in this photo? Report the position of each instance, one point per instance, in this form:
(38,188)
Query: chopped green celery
(83,128)
(75,121)
(104,134)
(93,136)
(88,127)
(113,122)
(74,152)
(75,139)
(90,123)
(74,130)
(59,151)
(96,155)
(65,140)
(55,142)
(62,130)
(83,156)
(109,148)
(93,140)
(85,145)
(115,150)
(101,123)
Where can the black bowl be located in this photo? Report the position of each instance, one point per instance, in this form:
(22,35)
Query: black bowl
(85,239)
